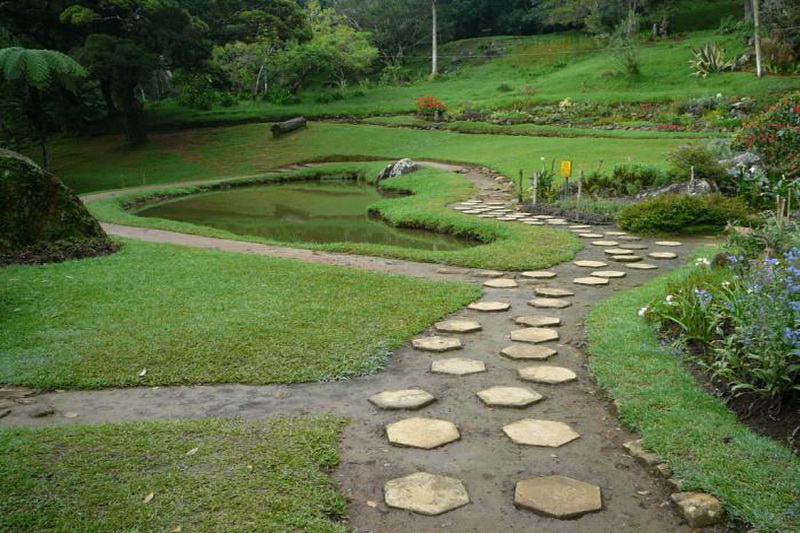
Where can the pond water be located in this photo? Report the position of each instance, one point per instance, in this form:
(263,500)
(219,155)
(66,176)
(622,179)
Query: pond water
(310,211)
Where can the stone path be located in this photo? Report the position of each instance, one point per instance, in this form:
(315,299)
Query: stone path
(508,432)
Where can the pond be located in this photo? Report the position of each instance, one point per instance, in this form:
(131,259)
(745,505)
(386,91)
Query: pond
(326,211)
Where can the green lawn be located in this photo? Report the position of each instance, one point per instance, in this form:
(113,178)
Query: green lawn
(757,479)
(268,476)
(103,163)
(196,316)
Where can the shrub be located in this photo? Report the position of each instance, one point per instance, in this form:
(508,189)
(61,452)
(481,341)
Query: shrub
(429,105)
(625,180)
(681,213)
(708,59)
(704,162)
(505,88)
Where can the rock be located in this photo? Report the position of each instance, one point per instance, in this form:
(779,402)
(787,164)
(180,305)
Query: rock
(668,243)
(4,412)
(402,399)
(538,321)
(608,274)
(546,433)
(549,303)
(527,351)
(699,509)
(457,326)
(534,335)
(633,246)
(627,258)
(692,187)
(636,450)
(42,411)
(616,233)
(617,251)
(591,281)
(605,243)
(41,220)
(501,283)
(436,344)
(551,292)
(458,366)
(538,274)
(489,274)
(425,494)
(398,168)
(662,255)
(664,470)
(590,264)
(558,496)
(488,307)
(580,226)
(590,235)
(450,270)
(641,266)
(509,397)
(551,375)
(14,393)
(425,433)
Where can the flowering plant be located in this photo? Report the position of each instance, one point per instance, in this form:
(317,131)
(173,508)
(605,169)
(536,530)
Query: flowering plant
(428,105)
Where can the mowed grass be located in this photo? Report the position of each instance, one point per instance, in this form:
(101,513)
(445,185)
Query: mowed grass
(268,476)
(757,479)
(102,163)
(193,316)
(505,246)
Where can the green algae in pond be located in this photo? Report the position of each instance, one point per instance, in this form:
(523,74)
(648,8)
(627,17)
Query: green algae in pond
(316,212)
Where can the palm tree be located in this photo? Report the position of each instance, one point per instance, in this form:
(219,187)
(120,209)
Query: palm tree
(38,70)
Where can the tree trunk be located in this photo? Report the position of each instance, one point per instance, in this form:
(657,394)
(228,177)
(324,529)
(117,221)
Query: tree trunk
(135,130)
(756,23)
(748,10)
(108,96)
(40,121)
(434,43)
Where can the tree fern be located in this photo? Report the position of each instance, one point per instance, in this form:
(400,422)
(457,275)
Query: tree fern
(38,67)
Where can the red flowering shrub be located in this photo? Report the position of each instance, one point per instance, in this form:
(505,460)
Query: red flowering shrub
(775,136)
(429,105)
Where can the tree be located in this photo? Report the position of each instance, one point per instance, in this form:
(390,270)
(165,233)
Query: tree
(434,41)
(38,70)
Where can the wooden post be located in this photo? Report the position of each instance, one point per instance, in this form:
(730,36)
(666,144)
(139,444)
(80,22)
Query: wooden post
(520,186)
(535,187)
(580,191)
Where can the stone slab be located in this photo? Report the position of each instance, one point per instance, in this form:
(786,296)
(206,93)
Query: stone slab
(617,251)
(538,274)
(436,344)
(590,264)
(662,255)
(591,281)
(546,433)
(551,292)
(616,233)
(534,335)
(425,433)
(558,497)
(608,274)
(489,307)
(605,243)
(629,238)
(699,509)
(642,266)
(669,243)
(501,283)
(457,326)
(425,494)
(627,258)
(489,274)
(402,399)
(552,375)
(538,321)
(590,235)
(509,397)
(528,352)
(549,303)
(633,246)
(458,366)
(580,226)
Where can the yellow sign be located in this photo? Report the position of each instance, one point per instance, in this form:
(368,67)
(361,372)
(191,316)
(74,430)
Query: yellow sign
(566,169)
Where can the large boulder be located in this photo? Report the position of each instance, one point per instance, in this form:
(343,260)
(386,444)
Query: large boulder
(398,168)
(41,220)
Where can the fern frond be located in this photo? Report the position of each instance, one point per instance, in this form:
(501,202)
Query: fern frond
(38,67)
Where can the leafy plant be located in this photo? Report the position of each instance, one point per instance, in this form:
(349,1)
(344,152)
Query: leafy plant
(429,105)
(676,213)
(708,59)
(625,180)
(696,156)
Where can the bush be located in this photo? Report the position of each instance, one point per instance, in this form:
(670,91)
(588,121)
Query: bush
(704,162)
(625,180)
(429,105)
(681,213)
(708,59)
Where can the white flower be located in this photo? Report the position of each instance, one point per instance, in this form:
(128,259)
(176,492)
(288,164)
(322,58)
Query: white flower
(726,284)
(702,261)
(643,310)
(669,298)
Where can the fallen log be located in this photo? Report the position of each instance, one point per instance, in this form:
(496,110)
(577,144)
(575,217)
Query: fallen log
(281,128)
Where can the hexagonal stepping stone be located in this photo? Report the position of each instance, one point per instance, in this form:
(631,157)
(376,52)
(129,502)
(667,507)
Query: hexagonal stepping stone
(472,212)
(558,497)
(590,235)
(489,274)
(669,243)
(662,255)
(557,222)
(501,283)
(509,397)
(627,258)
(436,344)
(580,226)
(533,432)
(590,264)
(543,217)
(549,303)
(507,219)
(642,266)
(489,307)
(458,366)
(551,292)
(402,399)
(425,494)
(457,326)
(538,321)
(532,352)
(462,208)
(534,335)
(633,246)
(616,233)
(538,274)
(629,238)
(591,281)
(451,270)
(617,251)
(608,274)
(425,433)
(552,375)
(605,243)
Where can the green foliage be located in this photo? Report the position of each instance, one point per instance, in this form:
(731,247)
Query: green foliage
(39,68)
(708,59)
(625,180)
(624,45)
(680,213)
(698,156)
(196,91)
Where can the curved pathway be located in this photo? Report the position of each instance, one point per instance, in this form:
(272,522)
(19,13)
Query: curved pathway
(485,459)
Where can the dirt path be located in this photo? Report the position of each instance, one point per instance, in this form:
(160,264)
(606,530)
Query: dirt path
(488,462)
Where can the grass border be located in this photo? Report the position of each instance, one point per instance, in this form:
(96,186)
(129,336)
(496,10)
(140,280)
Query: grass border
(507,247)
(756,478)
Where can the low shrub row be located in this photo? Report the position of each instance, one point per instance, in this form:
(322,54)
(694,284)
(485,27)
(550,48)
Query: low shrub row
(682,213)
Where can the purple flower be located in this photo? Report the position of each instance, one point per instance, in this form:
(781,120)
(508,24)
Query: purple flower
(703,297)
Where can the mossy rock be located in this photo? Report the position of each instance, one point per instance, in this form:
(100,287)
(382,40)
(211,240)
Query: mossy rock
(41,220)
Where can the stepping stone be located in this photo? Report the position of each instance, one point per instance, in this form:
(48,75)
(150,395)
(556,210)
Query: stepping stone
(551,292)
(451,270)
(616,233)
(425,494)
(458,366)
(590,264)
(590,235)
(402,399)
(543,217)
(558,497)
(580,226)
(527,352)
(501,283)
(605,243)
(507,219)
(425,433)
(489,274)
(662,255)
(629,238)
(488,307)
(633,246)
(457,326)
(627,258)
(472,212)
(552,375)
(669,243)
(495,203)
(462,208)
(617,251)
(591,281)
(608,274)
(537,321)
(485,216)
(534,335)
(557,222)
(642,266)
(436,344)
(540,433)
(538,274)
(509,397)
(549,303)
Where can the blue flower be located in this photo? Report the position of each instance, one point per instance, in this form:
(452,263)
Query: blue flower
(703,297)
